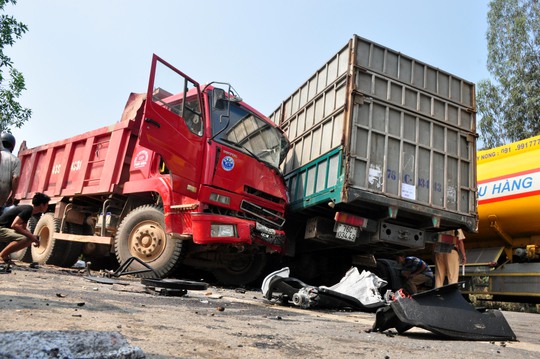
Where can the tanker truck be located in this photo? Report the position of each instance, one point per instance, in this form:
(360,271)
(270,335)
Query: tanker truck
(188,176)
(504,255)
(382,160)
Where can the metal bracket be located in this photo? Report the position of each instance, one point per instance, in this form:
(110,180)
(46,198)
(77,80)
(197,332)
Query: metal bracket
(108,276)
(494,223)
(122,270)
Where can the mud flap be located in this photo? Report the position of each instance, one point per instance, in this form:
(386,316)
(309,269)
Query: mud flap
(446,313)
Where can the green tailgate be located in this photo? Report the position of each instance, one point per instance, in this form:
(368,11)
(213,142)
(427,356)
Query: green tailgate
(319,181)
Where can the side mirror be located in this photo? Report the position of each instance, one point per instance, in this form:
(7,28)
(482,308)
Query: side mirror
(218,98)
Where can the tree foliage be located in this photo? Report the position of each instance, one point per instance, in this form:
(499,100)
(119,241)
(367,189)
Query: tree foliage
(11,81)
(510,106)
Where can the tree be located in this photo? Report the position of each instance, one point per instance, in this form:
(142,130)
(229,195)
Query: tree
(510,107)
(12,85)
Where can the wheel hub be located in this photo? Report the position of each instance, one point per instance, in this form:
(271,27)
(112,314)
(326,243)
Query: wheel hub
(147,241)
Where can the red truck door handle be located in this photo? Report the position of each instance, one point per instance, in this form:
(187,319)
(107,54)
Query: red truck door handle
(152,122)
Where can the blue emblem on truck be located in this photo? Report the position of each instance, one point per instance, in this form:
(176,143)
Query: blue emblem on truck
(227,163)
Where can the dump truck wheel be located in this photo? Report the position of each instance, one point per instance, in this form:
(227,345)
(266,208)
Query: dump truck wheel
(53,251)
(68,251)
(142,235)
(99,256)
(243,269)
(45,228)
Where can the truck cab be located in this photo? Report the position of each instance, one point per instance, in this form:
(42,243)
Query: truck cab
(221,159)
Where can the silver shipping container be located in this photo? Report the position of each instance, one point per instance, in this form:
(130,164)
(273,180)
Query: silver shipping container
(385,135)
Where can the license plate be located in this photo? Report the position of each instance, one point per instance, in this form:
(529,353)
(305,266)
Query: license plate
(345,232)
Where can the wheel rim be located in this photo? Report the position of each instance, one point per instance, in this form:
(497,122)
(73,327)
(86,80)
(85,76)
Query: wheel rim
(44,239)
(147,240)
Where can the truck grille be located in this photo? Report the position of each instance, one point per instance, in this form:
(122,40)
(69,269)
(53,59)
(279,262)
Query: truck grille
(264,214)
(263,195)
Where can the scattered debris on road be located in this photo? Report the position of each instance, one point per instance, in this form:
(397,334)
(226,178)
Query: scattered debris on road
(356,290)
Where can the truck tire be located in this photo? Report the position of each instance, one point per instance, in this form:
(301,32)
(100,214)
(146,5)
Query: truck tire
(45,227)
(99,256)
(141,234)
(69,251)
(53,251)
(388,270)
(245,269)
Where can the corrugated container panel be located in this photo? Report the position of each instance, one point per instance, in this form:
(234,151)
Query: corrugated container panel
(414,73)
(430,165)
(389,74)
(417,100)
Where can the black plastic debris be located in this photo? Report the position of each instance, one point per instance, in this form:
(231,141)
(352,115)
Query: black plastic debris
(445,312)
(172,287)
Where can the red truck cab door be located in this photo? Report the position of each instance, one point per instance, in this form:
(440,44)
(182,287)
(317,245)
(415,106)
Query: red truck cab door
(173,125)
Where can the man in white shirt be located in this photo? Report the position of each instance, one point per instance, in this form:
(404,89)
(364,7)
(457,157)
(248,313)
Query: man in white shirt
(10,168)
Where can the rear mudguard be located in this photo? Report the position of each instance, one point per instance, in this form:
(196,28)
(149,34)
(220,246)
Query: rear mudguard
(446,313)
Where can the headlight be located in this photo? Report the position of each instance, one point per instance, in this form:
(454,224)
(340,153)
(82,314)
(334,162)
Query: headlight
(220,198)
(223,230)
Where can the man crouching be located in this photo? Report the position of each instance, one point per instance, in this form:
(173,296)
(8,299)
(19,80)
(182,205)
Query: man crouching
(13,225)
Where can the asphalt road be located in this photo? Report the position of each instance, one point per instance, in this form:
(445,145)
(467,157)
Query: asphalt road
(226,322)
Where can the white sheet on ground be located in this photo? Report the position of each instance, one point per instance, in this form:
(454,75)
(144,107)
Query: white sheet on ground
(362,286)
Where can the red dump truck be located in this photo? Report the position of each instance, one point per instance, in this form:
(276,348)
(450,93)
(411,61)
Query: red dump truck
(504,255)
(189,175)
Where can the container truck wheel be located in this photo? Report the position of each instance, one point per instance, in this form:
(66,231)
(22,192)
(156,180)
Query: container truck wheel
(242,269)
(389,271)
(50,250)
(141,234)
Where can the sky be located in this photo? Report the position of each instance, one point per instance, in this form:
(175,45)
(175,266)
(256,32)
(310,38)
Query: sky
(82,59)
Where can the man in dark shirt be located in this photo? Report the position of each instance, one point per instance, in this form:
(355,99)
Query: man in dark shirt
(13,225)
(416,273)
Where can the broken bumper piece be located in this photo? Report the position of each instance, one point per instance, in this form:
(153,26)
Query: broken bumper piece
(446,313)
(291,291)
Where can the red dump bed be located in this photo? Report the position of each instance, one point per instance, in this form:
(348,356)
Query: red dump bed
(95,162)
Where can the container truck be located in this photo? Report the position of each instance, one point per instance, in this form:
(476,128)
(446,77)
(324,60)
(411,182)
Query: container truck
(188,176)
(504,255)
(382,159)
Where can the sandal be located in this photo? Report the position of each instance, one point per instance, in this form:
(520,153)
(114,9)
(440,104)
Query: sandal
(8,261)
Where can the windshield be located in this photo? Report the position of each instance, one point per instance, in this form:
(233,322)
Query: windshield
(249,133)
